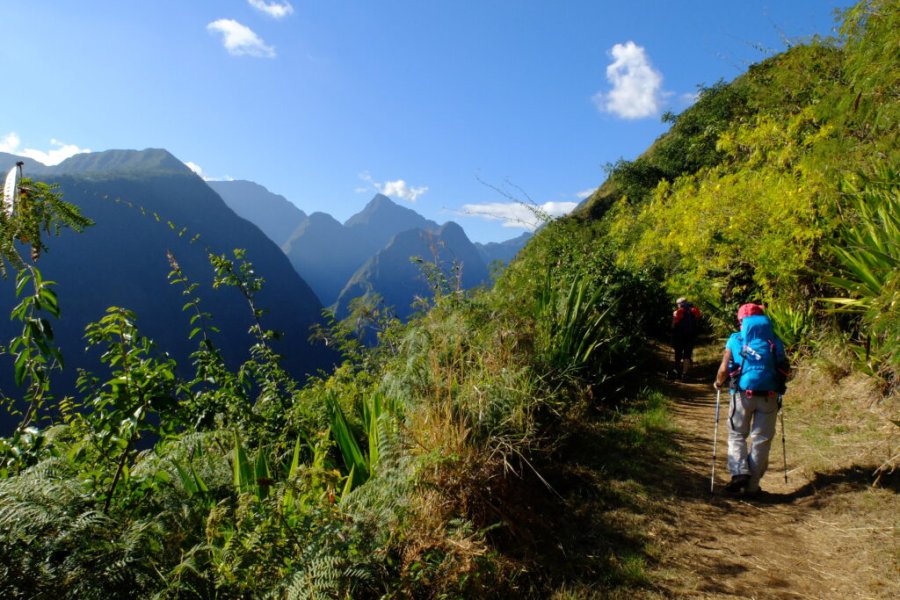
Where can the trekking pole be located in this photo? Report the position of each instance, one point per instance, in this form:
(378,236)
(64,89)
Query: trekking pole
(712,479)
(783,444)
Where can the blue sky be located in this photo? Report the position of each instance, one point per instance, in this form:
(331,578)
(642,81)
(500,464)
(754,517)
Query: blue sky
(437,103)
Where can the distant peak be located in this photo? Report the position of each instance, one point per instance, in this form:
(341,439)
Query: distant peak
(322,218)
(380,200)
(451,227)
(154,160)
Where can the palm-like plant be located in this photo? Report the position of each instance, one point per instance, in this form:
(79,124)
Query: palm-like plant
(575,324)
(868,253)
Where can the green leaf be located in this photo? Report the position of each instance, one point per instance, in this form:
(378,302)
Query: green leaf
(262,478)
(295,460)
(21,282)
(347,444)
(243,472)
(201,485)
(50,301)
(21,365)
(189,483)
(348,484)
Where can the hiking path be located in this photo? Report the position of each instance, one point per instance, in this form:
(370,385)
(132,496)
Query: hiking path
(818,536)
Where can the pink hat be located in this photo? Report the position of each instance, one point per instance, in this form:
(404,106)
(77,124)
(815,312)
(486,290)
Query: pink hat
(749,310)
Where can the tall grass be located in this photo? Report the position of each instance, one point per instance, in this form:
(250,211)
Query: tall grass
(574,323)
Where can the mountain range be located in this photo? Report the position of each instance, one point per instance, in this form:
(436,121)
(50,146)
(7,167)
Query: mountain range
(395,272)
(343,260)
(145,204)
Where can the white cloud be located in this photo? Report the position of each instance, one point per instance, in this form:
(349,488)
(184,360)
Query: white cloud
(636,86)
(397,189)
(199,171)
(585,193)
(240,40)
(558,209)
(276,10)
(11,142)
(195,168)
(518,214)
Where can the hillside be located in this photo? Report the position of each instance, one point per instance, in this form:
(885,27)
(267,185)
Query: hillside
(520,441)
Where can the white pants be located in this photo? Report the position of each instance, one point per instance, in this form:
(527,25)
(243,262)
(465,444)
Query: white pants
(752,416)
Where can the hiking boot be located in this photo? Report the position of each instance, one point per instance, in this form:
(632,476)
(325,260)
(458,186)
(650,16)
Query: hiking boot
(737,485)
(757,494)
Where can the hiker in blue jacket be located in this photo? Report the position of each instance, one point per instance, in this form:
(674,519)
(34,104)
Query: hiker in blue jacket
(755,361)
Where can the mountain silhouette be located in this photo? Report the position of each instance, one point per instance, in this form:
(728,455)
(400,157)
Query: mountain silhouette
(272,213)
(400,280)
(145,203)
(327,254)
(503,251)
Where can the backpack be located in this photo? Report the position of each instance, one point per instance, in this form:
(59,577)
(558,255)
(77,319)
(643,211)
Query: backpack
(688,322)
(761,363)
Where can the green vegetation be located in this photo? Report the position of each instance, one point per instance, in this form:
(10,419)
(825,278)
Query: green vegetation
(428,466)
(788,197)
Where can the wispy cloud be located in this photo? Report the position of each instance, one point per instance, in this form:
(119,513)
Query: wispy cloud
(396,189)
(199,171)
(585,193)
(196,169)
(60,151)
(240,40)
(636,86)
(276,10)
(518,214)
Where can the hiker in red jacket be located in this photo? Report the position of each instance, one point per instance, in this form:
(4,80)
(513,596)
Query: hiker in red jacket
(685,321)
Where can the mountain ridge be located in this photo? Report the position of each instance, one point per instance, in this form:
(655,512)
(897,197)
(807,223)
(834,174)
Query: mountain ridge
(324,252)
(396,274)
(144,209)
(278,221)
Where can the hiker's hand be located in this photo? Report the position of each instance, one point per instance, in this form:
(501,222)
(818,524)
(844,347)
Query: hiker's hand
(717,385)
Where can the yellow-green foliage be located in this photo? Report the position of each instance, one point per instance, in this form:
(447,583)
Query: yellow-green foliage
(729,231)
(757,224)
(870,109)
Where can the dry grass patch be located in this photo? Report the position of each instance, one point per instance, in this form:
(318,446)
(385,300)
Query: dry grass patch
(839,423)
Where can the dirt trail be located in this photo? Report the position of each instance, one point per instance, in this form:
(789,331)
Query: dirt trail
(801,540)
